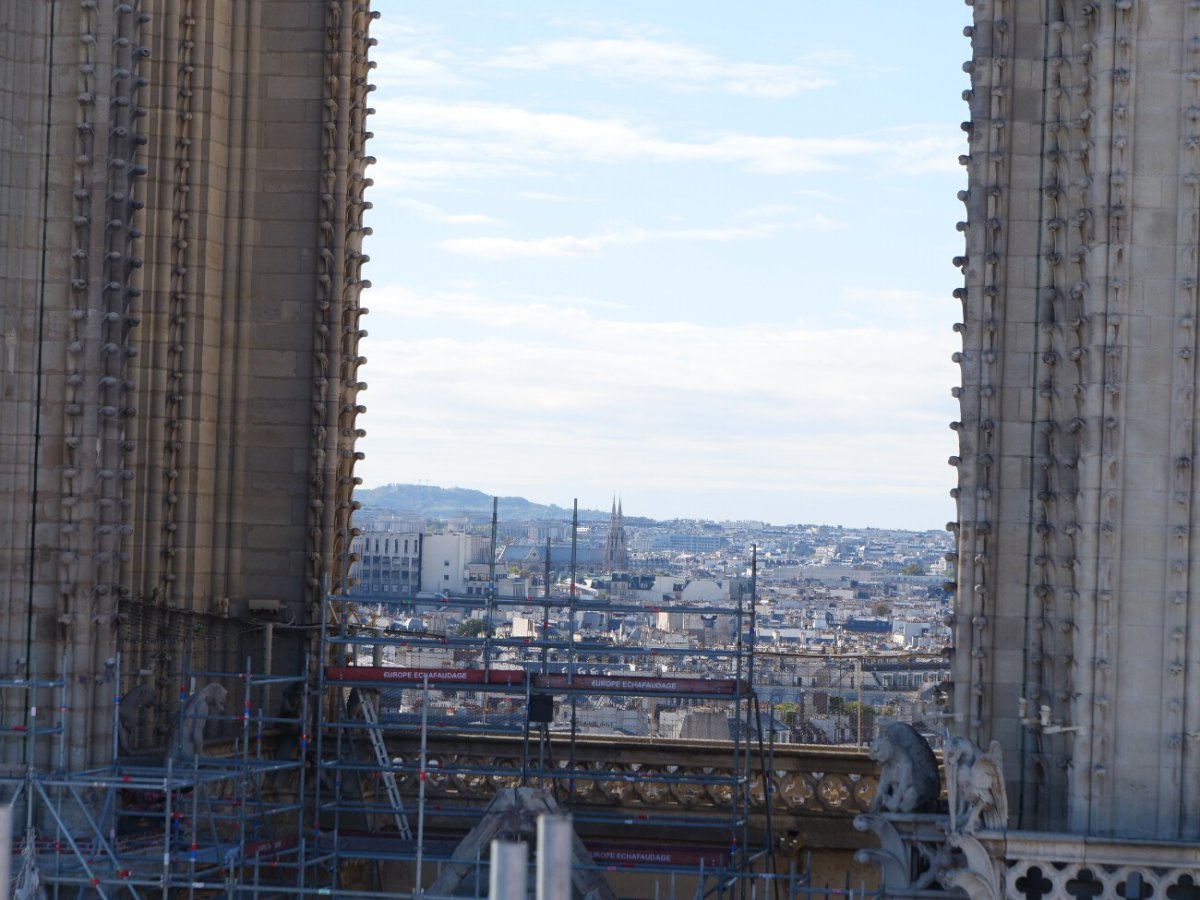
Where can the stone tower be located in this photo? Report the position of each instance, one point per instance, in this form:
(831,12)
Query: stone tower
(181,200)
(1078,613)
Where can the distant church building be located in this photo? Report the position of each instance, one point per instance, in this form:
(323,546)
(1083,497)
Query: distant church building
(1078,524)
(616,549)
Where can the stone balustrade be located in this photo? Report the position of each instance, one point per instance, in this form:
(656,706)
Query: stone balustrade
(1036,865)
(692,777)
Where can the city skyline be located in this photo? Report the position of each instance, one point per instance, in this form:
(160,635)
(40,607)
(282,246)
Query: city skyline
(666,254)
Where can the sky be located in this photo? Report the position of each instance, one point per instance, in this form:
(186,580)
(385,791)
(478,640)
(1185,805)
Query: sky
(693,254)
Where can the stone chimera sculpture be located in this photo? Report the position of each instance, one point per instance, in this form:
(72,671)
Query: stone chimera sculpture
(908,771)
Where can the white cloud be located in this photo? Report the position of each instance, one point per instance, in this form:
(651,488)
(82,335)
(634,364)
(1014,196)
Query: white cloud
(797,371)
(543,248)
(892,297)
(410,53)
(569,246)
(923,150)
(395,174)
(765,211)
(432,213)
(667,64)
(500,134)
(404,70)
(413,54)
(511,132)
(595,402)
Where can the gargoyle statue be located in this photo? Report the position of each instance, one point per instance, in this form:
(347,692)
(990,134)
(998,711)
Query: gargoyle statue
(975,786)
(908,771)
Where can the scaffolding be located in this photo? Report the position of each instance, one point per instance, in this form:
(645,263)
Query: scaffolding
(545,690)
(172,824)
(310,783)
(262,810)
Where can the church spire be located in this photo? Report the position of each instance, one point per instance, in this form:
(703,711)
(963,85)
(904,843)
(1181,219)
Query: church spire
(616,552)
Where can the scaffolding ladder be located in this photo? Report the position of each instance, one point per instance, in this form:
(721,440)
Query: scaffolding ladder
(375,734)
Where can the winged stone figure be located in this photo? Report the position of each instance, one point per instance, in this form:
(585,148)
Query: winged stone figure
(975,785)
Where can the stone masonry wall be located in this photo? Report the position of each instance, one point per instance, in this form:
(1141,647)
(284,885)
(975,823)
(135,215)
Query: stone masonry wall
(180,328)
(1078,621)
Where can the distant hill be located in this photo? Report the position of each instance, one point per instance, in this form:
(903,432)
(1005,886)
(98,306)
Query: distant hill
(441,503)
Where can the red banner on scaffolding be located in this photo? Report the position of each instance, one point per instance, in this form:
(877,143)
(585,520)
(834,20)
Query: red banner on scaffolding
(619,684)
(633,855)
(636,684)
(405,675)
(269,847)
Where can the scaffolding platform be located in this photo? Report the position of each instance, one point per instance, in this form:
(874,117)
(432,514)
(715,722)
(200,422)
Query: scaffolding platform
(154,824)
(543,692)
(322,782)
